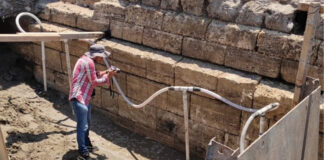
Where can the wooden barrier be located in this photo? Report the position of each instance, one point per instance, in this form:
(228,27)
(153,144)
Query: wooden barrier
(294,137)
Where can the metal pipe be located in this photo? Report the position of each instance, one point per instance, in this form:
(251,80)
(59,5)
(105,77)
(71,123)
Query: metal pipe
(262,124)
(68,62)
(261,111)
(186,123)
(42,43)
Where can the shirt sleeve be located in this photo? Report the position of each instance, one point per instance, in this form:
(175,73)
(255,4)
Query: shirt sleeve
(92,75)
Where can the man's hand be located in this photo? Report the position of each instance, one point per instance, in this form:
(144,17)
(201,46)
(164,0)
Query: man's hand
(111,73)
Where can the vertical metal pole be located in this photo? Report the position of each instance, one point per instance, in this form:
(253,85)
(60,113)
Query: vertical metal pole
(262,123)
(186,119)
(3,151)
(44,65)
(68,63)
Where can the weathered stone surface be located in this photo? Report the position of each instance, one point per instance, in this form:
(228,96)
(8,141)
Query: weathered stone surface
(52,58)
(50,75)
(78,47)
(126,31)
(320,28)
(170,4)
(161,100)
(168,123)
(233,35)
(122,81)
(86,3)
(154,3)
(146,115)
(162,40)
(252,14)
(96,100)
(289,71)
(252,62)
(85,21)
(174,104)
(144,16)
(204,50)
(64,13)
(61,83)
(105,10)
(197,73)
(215,114)
(137,88)
(25,49)
(161,66)
(242,87)
(280,17)
(208,133)
(108,102)
(271,91)
(185,25)
(194,7)
(73,60)
(225,10)
(45,14)
(320,54)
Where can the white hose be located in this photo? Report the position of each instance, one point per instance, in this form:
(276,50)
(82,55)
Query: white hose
(42,43)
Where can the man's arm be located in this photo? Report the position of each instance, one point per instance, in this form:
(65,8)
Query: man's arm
(93,77)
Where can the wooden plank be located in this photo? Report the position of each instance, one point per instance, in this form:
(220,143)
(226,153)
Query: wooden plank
(312,21)
(47,36)
(284,140)
(304,6)
(3,150)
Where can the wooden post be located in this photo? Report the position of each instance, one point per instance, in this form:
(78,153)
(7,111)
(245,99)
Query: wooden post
(3,151)
(312,21)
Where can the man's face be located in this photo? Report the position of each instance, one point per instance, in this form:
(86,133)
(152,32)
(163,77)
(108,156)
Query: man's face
(97,59)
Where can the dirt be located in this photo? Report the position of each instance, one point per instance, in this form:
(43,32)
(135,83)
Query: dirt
(38,125)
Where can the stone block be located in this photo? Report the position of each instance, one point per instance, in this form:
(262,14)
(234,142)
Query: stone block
(45,14)
(121,78)
(233,35)
(242,87)
(86,3)
(168,123)
(320,54)
(320,29)
(215,114)
(61,83)
(208,51)
(185,25)
(62,14)
(194,7)
(126,31)
(252,14)
(252,62)
(280,17)
(162,40)
(170,4)
(78,47)
(224,10)
(144,16)
(160,101)
(105,10)
(85,22)
(153,3)
(195,133)
(197,73)
(145,116)
(137,88)
(160,66)
(271,91)
(175,103)
(50,76)
(109,103)
(52,58)
(73,60)
(208,133)
(25,49)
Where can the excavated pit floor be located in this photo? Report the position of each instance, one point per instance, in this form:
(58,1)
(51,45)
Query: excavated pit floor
(41,126)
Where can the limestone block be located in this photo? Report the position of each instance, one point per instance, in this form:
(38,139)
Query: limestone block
(144,16)
(233,35)
(63,15)
(162,40)
(194,7)
(105,10)
(161,67)
(73,60)
(253,62)
(126,31)
(137,88)
(61,83)
(320,54)
(174,103)
(52,58)
(280,17)
(242,87)
(252,14)
(129,68)
(170,4)
(85,21)
(209,132)
(121,78)
(86,3)
(197,73)
(271,91)
(215,114)
(45,14)
(25,49)
(225,10)
(78,47)
(160,101)
(185,25)
(167,122)
(50,77)
(109,103)
(146,115)
(289,71)
(204,50)
(153,3)
(194,133)
(320,29)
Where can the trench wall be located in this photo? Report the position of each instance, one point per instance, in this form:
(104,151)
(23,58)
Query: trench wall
(244,51)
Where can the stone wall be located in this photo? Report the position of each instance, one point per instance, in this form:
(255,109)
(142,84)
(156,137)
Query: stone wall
(183,42)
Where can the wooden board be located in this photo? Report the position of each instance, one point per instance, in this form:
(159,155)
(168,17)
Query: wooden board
(303,6)
(3,150)
(284,140)
(48,36)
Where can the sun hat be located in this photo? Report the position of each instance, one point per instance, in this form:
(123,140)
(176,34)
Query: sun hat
(97,50)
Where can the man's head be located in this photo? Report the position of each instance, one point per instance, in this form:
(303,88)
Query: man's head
(97,52)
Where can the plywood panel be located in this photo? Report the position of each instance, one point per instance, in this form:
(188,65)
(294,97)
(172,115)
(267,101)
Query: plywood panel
(284,140)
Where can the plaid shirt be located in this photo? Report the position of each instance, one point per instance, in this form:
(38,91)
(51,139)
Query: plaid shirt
(85,79)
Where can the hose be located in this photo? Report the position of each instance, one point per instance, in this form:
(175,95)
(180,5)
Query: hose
(42,43)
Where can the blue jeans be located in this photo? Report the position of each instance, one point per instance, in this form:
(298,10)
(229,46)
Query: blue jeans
(83,116)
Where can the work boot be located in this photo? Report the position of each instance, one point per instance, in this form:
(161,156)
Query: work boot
(92,148)
(84,156)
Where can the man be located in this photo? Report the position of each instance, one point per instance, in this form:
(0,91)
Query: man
(85,78)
